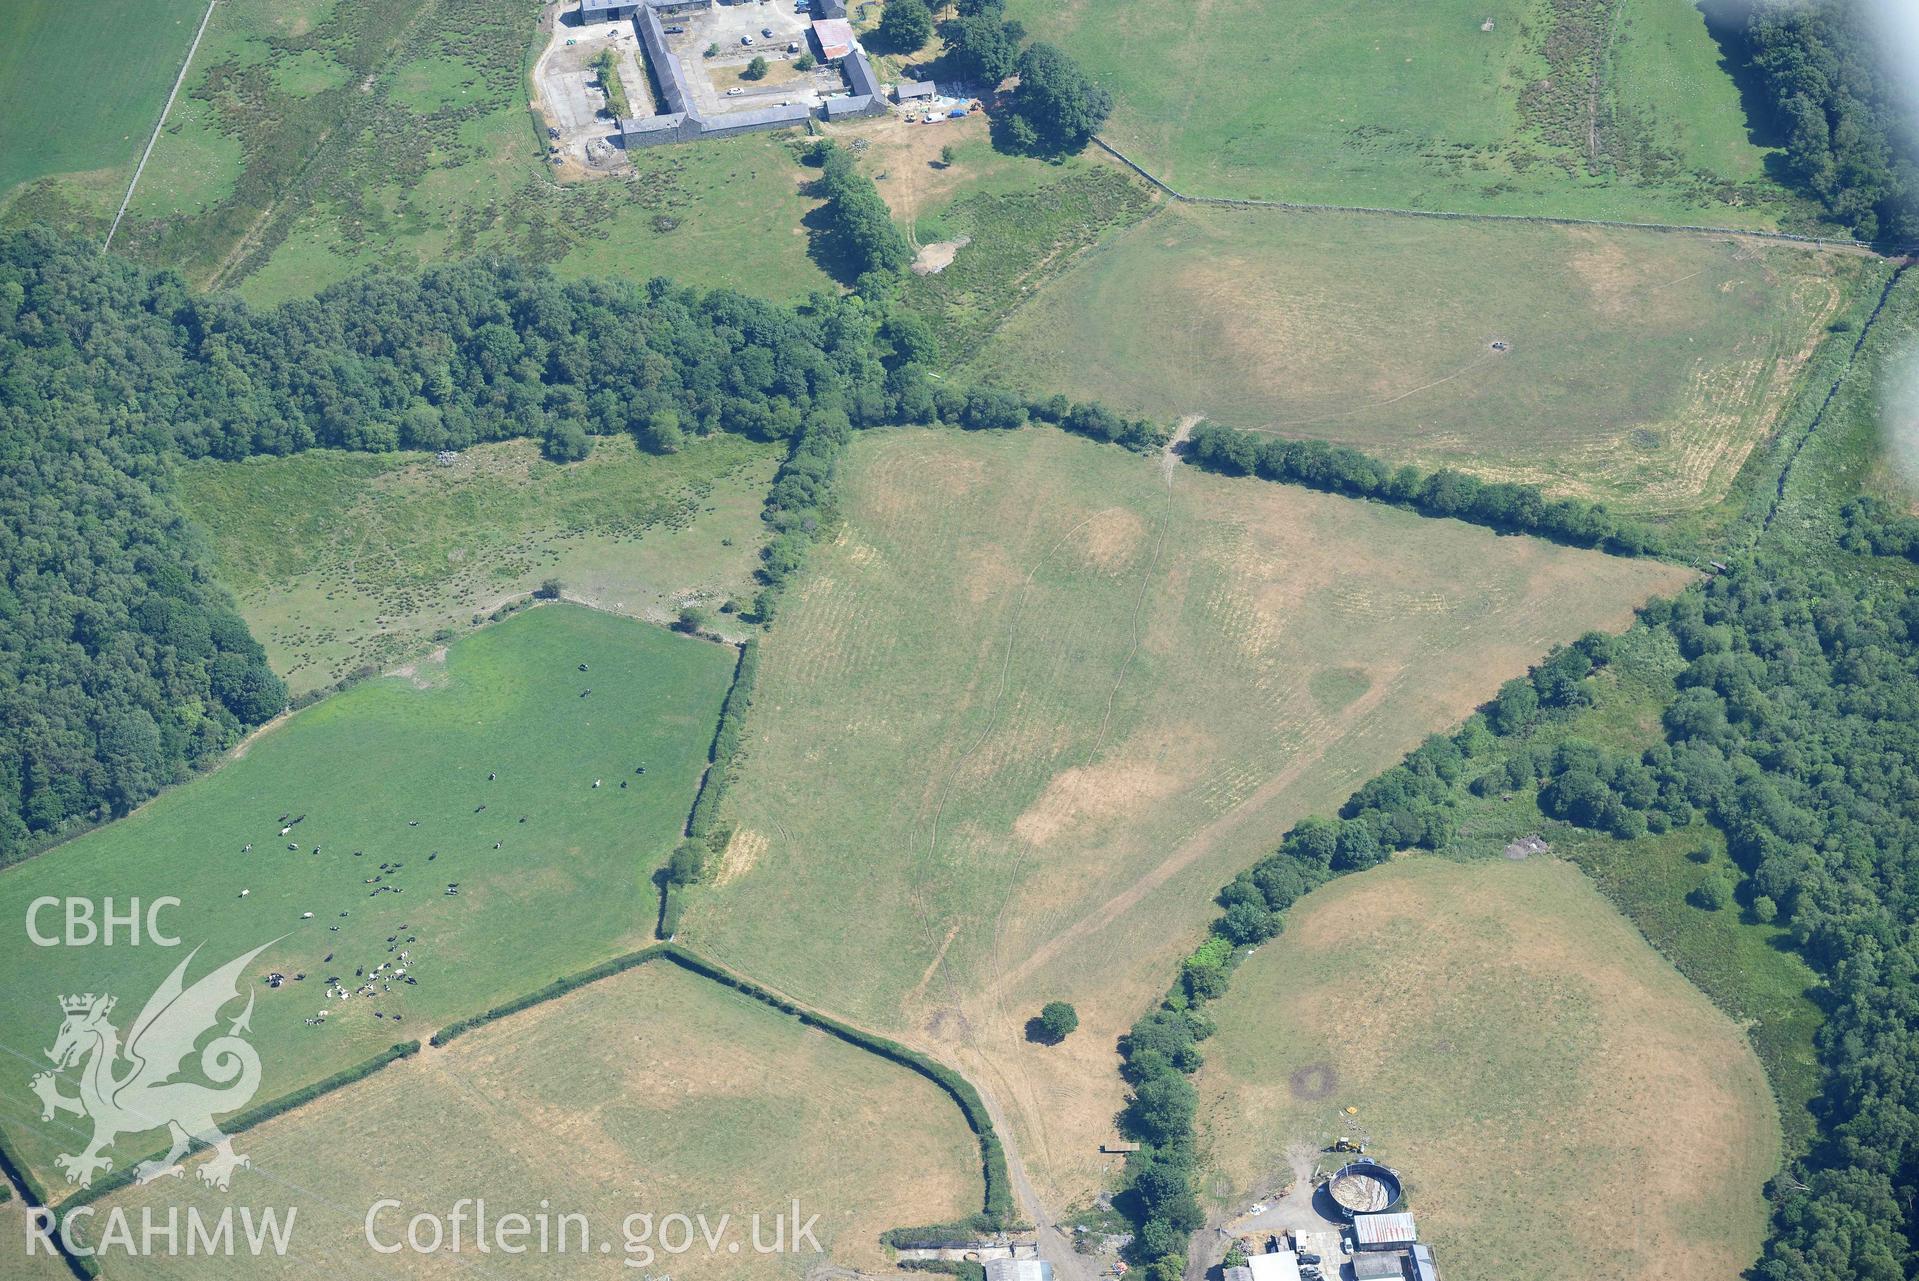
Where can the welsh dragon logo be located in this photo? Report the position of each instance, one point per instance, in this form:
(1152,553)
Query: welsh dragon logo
(130,1089)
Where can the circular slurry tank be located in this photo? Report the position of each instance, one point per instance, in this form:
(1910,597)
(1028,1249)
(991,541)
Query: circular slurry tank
(1364,1187)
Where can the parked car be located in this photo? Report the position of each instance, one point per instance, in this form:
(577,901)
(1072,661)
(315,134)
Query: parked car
(745,40)
(792,46)
(734,93)
(676,31)
(767,32)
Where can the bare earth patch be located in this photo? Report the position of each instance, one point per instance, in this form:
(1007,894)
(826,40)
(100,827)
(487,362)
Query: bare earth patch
(935,258)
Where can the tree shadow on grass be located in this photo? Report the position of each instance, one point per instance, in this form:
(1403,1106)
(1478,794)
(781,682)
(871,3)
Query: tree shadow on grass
(827,246)
(1037,1033)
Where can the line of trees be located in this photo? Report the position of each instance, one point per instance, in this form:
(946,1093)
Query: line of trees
(1341,469)
(124,666)
(1849,115)
(870,240)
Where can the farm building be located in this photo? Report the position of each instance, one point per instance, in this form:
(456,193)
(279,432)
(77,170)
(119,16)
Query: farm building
(1239,1274)
(1280,1265)
(1423,1268)
(910,90)
(834,36)
(1384,1231)
(592,11)
(682,120)
(1018,1270)
(1379,1267)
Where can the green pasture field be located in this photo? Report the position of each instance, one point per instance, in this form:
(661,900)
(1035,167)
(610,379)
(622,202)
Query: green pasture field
(80,87)
(320,137)
(1372,102)
(568,887)
(656,1091)
(1558,1098)
(1041,697)
(345,560)
(1641,368)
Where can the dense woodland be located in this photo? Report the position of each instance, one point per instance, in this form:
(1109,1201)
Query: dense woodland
(1850,127)
(123,666)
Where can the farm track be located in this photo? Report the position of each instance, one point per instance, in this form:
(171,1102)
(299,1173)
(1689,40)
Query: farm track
(1454,215)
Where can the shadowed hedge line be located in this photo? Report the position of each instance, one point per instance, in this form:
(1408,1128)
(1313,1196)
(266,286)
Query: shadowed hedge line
(997,1211)
(1341,469)
(705,839)
(557,988)
(963,1268)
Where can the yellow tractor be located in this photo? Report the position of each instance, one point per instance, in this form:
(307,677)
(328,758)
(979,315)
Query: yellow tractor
(1344,1144)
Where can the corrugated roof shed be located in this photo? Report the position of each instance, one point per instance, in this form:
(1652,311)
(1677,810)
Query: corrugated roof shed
(1018,1270)
(907,89)
(1239,1274)
(1384,1231)
(1280,1265)
(835,36)
(1378,1267)
(1424,1266)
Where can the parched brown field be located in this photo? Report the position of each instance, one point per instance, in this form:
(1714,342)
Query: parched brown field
(1561,1101)
(1640,368)
(1041,698)
(656,1091)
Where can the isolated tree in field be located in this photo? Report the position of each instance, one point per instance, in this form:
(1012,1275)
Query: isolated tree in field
(1057,99)
(906,24)
(549,589)
(805,62)
(1713,893)
(946,156)
(755,70)
(693,620)
(1057,1020)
